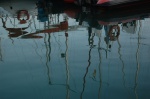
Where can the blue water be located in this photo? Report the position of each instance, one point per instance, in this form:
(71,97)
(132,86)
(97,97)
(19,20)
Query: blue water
(77,66)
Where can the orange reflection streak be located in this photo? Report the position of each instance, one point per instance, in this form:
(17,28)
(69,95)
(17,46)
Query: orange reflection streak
(62,26)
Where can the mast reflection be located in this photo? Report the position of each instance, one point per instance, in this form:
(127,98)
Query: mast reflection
(138,62)
(48,55)
(100,70)
(67,68)
(87,68)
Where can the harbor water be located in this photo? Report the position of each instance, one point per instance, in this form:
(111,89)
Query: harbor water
(57,57)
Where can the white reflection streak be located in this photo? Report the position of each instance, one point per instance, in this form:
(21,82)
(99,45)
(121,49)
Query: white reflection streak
(33,18)
(100,72)
(138,64)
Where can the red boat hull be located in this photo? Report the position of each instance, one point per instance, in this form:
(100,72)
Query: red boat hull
(69,1)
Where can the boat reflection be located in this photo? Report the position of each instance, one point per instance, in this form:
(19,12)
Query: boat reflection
(74,52)
(44,14)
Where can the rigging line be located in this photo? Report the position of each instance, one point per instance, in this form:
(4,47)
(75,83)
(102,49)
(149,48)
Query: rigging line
(59,46)
(58,42)
(37,51)
(12,22)
(138,64)
(120,57)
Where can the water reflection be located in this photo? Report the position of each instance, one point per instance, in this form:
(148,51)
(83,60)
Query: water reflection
(48,58)
(138,64)
(73,53)
(1,58)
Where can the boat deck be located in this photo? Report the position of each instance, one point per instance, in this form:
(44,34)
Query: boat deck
(134,4)
(116,2)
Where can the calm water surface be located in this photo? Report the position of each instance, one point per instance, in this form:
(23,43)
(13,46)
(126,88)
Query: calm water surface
(80,63)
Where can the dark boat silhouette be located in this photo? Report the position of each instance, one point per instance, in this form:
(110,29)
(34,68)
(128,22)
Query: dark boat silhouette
(111,4)
(111,16)
(101,2)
